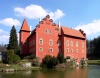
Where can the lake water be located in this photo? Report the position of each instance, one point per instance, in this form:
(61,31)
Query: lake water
(92,71)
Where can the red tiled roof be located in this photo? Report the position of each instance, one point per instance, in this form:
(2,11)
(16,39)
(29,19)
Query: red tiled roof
(72,32)
(25,26)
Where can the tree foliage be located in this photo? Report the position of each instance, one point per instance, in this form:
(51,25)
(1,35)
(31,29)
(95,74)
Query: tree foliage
(60,57)
(12,57)
(13,42)
(93,48)
(49,61)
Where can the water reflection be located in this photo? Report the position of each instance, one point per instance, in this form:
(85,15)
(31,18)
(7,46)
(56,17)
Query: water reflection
(83,72)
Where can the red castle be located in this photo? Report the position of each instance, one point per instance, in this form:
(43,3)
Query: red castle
(49,38)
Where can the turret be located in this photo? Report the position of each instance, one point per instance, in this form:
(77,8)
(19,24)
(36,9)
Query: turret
(24,32)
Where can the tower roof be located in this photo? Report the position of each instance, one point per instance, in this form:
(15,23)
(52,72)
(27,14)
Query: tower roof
(25,26)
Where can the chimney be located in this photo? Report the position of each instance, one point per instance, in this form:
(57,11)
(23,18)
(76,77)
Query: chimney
(59,24)
(59,28)
(39,19)
(30,29)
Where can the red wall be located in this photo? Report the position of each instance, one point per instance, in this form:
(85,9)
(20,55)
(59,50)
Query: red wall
(32,44)
(40,33)
(75,54)
(24,46)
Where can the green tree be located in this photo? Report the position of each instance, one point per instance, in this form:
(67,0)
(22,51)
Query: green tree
(60,57)
(13,42)
(11,57)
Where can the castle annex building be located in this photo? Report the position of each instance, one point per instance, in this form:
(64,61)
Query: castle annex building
(49,38)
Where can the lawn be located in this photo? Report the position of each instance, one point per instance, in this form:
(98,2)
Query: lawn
(94,62)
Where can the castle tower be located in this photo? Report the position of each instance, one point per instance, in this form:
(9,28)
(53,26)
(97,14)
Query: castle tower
(23,34)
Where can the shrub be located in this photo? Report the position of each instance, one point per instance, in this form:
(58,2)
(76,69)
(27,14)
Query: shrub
(16,58)
(11,57)
(49,61)
(30,57)
(83,62)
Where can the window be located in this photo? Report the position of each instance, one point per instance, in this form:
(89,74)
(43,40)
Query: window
(49,31)
(41,49)
(71,50)
(59,50)
(59,42)
(50,42)
(51,50)
(71,43)
(82,51)
(33,42)
(67,50)
(41,41)
(76,50)
(46,31)
(76,44)
(67,43)
(82,45)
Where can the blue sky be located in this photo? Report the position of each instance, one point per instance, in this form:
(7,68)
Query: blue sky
(77,14)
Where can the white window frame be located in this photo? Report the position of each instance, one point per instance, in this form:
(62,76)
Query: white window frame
(41,49)
(50,42)
(67,50)
(51,49)
(50,31)
(82,45)
(67,43)
(40,42)
(76,44)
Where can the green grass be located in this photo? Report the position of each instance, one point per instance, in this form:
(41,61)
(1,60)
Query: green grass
(94,62)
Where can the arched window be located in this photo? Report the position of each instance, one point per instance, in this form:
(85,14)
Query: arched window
(41,41)
(67,43)
(76,44)
(67,50)
(41,49)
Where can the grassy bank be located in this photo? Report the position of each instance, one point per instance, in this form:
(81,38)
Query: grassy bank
(94,62)
(16,67)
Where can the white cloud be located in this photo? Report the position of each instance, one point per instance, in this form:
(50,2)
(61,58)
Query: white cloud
(90,28)
(4,36)
(36,11)
(10,22)
(56,15)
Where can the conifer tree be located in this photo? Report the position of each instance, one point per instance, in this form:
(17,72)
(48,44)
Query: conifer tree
(13,42)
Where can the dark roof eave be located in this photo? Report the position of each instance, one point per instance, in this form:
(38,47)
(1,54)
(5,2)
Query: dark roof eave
(75,36)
